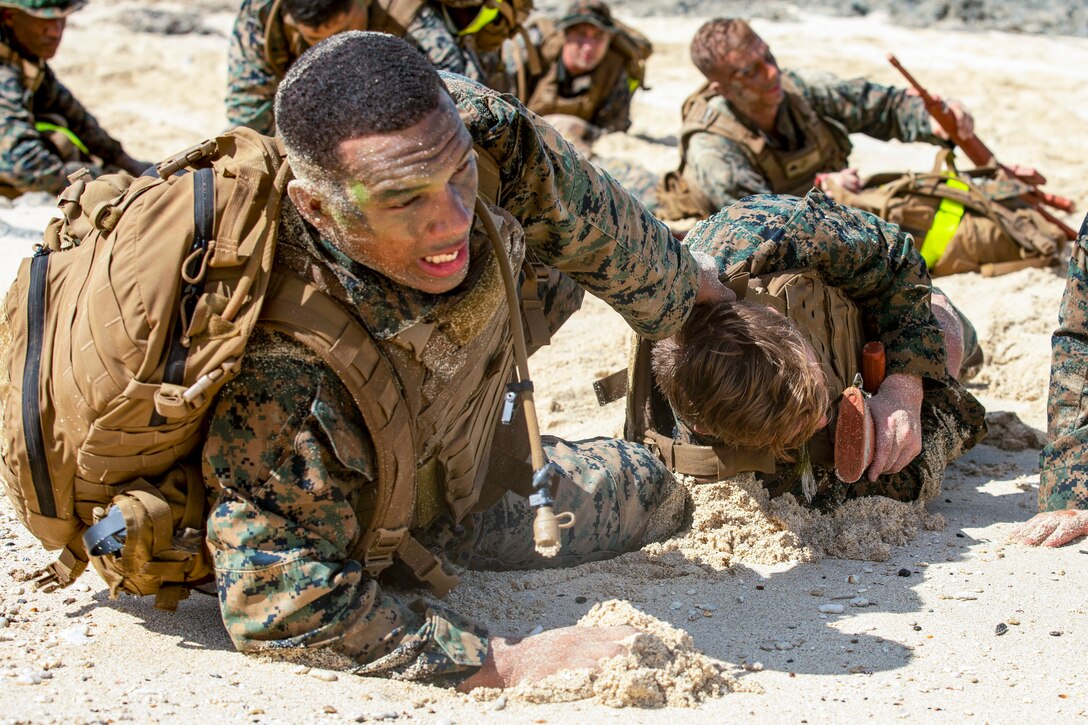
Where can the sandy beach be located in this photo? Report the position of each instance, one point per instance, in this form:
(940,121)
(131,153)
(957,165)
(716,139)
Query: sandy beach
(921,593)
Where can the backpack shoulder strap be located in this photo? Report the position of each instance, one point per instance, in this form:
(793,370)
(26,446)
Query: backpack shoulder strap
(305,314)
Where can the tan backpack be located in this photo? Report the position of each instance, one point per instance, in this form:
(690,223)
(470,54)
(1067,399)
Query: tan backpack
(961,223)
(135,311)
(825,316)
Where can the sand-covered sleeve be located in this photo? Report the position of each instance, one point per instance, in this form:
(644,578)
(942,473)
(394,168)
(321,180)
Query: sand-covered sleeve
(577,218)
(1063,481)
(883,112)
(288,460)
(251,80)
(872,261)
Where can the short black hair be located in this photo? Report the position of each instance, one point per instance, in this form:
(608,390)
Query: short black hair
(315,13)
(350,85)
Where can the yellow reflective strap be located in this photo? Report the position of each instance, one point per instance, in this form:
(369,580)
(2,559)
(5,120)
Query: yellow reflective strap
(485,16)
(632,84)
(945,223)
(44,127)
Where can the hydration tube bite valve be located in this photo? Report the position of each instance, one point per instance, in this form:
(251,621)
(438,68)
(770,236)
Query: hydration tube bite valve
(546,525)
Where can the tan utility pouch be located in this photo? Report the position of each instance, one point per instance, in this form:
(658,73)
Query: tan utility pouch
(150,540)
(677,199)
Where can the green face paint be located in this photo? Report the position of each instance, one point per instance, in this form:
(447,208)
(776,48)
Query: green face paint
(360,194)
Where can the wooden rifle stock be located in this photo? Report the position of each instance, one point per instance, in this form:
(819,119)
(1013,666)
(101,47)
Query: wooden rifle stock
(981,155)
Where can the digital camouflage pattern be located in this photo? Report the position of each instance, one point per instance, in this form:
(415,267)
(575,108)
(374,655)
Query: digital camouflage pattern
(28,161)
(1063,481)
(876,265)
(252,81)
(288,457)
(725,172)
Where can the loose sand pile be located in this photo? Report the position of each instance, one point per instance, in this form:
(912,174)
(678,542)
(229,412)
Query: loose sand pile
(662,668)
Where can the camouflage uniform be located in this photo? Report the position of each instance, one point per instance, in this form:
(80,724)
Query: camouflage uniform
(875,264)
(288,455)
(1063,482)
(252,81)
(724,172)
(28,159)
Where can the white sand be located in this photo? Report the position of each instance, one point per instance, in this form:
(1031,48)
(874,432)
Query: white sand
(924,647)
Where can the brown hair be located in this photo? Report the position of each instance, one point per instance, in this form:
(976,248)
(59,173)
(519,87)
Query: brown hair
(742,373)
(714,39)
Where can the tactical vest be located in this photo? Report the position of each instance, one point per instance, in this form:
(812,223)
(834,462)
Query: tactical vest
(787,172)
(626,55)
(960,223)
(824,315)
(546,99)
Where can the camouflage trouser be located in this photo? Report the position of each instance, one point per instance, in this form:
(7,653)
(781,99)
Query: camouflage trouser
(618,491)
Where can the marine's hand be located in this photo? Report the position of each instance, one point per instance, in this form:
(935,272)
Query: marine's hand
(512,661)
(711,288)
(847,179)
(896,410)
(1051,528)
(965,124)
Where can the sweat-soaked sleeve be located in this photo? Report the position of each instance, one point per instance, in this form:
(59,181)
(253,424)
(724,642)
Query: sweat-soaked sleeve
(1063,482)
(577,218)
(287,460)
(871,260)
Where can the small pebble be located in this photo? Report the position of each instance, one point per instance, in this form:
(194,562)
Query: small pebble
(917,628)
(709,608)
(852,579)
(299,670)
(753,666)
(676,605)
(4,622)
(904,572)
(329,710)
(1056,633)
(964,596)
(580,600)
(79,634)
(324,675)
(1001,629)
(500,703)
(538,629)
(832,609)
(690,592)
(859,602)
(867,570)
(816,592)
(783,646)
(1013,621)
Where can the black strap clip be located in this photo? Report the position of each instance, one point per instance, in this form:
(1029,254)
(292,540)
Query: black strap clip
(512,397)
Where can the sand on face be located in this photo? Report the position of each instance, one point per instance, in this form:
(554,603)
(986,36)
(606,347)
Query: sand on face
(909,632)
